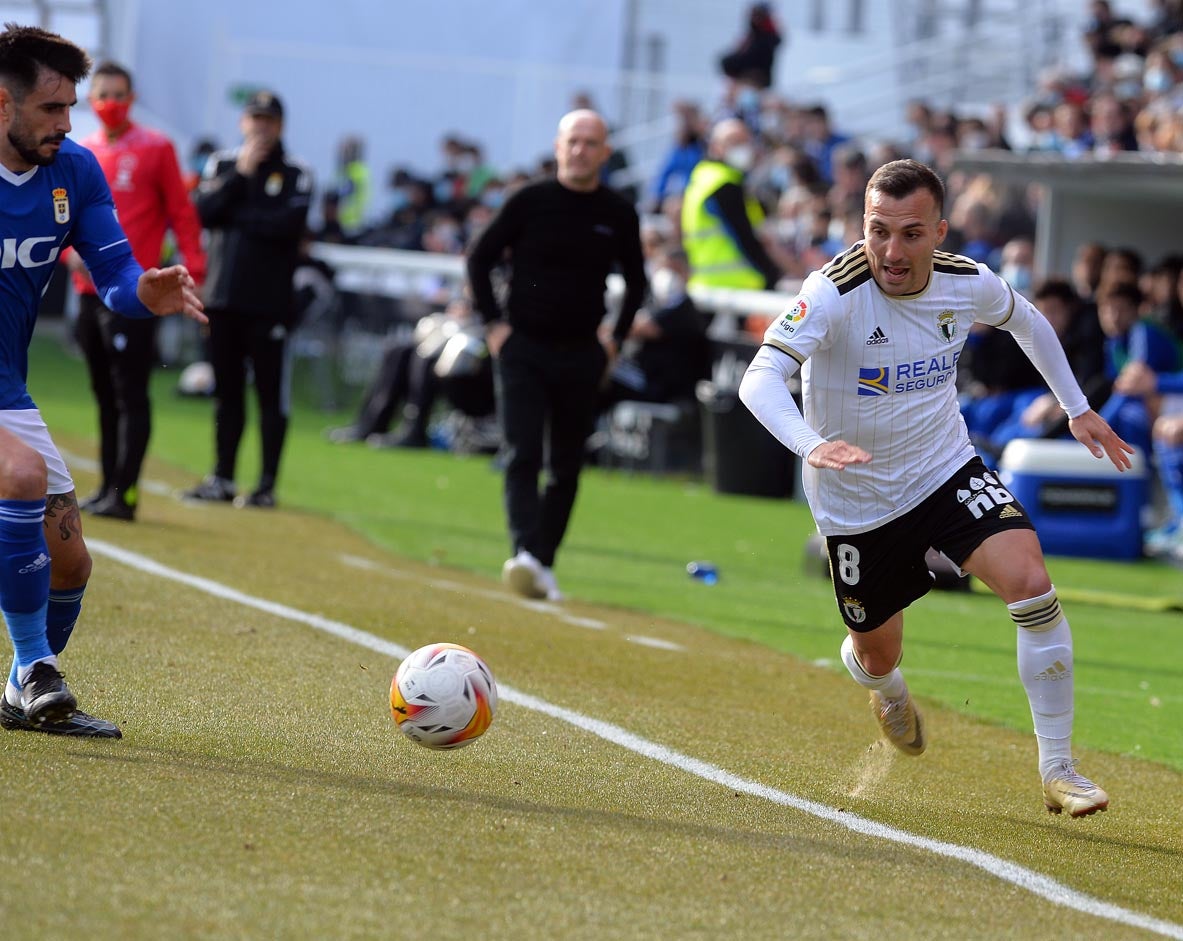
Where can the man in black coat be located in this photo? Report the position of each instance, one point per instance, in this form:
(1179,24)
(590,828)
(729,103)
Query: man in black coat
(254,202)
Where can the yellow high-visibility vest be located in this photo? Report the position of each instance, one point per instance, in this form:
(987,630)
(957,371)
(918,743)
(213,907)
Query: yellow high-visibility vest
(715,258)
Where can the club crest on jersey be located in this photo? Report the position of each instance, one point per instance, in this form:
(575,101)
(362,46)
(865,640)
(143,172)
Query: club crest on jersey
(947,324)
(854,610)
(790,321)
(274,184)
(61,206)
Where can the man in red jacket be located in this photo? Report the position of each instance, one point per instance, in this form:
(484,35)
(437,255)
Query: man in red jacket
(141,167)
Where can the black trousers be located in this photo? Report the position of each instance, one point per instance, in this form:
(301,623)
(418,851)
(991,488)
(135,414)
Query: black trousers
(403,377)
(547,397)
(120,353)
(238,340)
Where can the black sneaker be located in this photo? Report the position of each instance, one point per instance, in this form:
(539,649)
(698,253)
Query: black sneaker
(114,506)
(94,498)
(212,488)
(260,499)
(80,724)
(45,697)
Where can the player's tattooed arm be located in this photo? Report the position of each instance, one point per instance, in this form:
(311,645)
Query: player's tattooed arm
(61,510)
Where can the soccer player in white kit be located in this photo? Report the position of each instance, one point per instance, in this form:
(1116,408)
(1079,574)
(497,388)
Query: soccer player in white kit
(889,468)
(52,194)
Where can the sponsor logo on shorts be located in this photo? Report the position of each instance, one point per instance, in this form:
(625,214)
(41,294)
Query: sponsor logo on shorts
(984,494)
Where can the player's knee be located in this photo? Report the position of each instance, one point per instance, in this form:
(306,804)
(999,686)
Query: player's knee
(1029,581)
(22,475)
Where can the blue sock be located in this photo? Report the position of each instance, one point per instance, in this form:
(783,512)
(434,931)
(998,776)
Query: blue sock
(24,578)
(65,604)
(60,618)
(1170,472)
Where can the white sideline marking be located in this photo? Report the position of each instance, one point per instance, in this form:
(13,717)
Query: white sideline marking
(1036,883)
(542,607)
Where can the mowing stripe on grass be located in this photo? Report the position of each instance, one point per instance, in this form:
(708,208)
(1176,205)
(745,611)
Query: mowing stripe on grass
(1019,876)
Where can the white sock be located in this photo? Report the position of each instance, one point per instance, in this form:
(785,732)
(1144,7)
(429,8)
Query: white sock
(1045,668)
(891,686)
(22,673)
(12,694)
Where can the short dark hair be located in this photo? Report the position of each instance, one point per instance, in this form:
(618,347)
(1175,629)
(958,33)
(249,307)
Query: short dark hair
(1120,290)
(1059,288)
(26,50)
(901,178)
(107,67)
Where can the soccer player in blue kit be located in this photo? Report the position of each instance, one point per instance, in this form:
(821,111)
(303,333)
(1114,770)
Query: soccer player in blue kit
(52,194)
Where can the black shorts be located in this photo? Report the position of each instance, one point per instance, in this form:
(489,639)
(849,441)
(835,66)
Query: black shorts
(882,571)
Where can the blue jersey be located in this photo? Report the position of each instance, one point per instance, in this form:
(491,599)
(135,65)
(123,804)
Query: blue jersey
(41,212)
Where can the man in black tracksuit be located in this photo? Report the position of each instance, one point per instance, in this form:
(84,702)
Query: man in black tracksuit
(254,202)
(563,237)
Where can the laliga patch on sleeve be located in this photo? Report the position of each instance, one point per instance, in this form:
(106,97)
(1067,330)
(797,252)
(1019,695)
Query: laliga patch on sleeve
(795,315)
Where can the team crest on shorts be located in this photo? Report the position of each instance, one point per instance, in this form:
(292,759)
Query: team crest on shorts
(854,610)
(61,206)
(947,324)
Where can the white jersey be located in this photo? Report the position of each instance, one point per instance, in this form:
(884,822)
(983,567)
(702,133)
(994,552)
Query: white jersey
(880,372)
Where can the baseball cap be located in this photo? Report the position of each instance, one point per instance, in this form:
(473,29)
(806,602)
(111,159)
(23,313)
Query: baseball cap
(264,102)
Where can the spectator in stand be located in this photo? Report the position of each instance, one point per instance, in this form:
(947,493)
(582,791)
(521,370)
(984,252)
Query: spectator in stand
(352,186)
(330,229)
(1160,285)
(141,168)
(720,222)
(1086,269)
(753,59)
(1016,264)
(976,223)
(198,157)
(822,141)
(1110,127)
(1131,338)
(406,383)
(850,181)
(1037,414)
(666,351)
(1120,264)
(687,150)
(1071,131)
(477,171)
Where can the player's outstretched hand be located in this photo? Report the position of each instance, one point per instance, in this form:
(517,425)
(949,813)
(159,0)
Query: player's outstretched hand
(172,290)
(836,455)
(1091,430)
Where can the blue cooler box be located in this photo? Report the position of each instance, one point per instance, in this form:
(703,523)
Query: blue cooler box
(1080,506)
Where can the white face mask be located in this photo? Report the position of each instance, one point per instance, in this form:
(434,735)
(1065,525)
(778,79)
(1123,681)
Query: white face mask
(666,286)
(741,157)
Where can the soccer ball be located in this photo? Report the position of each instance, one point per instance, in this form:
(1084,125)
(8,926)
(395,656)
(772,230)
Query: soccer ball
(443,696)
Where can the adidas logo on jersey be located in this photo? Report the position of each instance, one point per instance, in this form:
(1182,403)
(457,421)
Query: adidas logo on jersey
(878,338)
